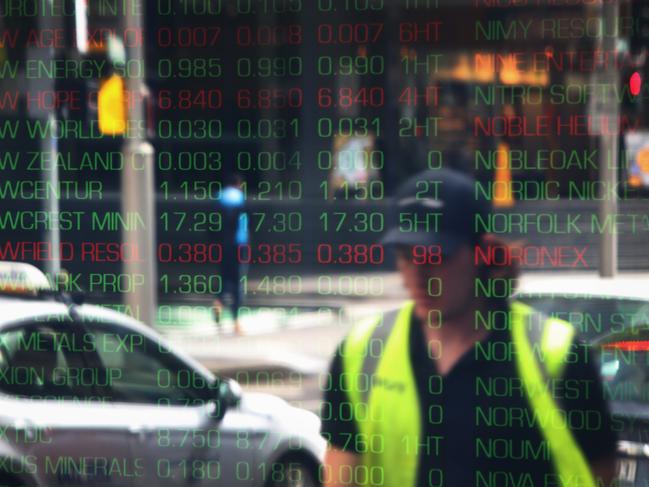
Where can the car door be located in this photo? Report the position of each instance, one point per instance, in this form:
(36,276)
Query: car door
(170,408)
(624,359)
(51,413)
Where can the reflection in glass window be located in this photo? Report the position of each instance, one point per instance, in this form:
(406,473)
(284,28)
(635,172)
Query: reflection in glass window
(42,362)
(138,372)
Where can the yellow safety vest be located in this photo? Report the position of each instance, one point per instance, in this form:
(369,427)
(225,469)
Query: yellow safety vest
(376,360)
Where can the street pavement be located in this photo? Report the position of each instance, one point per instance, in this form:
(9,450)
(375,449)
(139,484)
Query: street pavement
(286,343)
(298,334)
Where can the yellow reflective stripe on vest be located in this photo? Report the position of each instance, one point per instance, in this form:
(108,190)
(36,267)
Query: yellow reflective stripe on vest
(568,460)
(389,422)
(555,342)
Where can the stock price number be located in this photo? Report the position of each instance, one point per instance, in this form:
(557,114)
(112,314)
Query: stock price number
(193,190)
(190,7)
(195,438)
(349,5)
(273,285)
(277,222)
(268,6)
(187,161)
(351,159)
(190,253)
(188,37)
(268,161)
(201,129)
(184,379)
(356,190)
(192,284)
(265,99)
(327,253)
(373,97)
(167,468)
(270,253)
(350,65)
(367,33)
(269,35)
(349,127)
(199,221)
(265,190)
(347,285)
(189,99)
(197,67)
(357,221)
(264,67)
(268,128)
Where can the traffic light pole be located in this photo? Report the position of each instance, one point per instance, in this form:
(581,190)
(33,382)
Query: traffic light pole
(608,145)
(138,186)
(49,143)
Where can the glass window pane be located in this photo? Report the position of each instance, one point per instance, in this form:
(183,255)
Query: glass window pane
(139,372)
(42,362)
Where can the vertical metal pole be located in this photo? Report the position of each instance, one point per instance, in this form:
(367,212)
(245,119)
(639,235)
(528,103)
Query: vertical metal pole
(49,144)
(608,145)
(138,187)
(51,175)
(392,79)
(310,142)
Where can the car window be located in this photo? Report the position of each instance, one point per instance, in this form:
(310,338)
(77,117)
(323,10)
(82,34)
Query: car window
(618,327)
(625,370)
(138,371)
(593,317)
(43,361)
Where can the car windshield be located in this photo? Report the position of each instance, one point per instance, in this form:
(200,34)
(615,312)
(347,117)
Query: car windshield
(621,326)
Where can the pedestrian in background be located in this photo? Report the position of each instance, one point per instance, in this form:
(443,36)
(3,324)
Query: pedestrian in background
(231,204)
(406,396)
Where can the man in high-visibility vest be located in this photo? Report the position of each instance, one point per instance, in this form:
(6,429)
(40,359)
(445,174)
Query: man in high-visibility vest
(460,387)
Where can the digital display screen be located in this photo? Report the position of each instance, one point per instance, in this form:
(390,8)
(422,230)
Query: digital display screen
(263,183)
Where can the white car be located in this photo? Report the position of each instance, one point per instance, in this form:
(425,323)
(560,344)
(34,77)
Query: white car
(613,316)
(89,396)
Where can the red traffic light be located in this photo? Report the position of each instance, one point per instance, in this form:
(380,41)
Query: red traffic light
(635,83)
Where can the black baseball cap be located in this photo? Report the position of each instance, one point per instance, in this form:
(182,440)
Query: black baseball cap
(436,207)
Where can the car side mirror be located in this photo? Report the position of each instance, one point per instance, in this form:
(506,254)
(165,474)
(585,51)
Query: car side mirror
(228,396)
(230,393)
